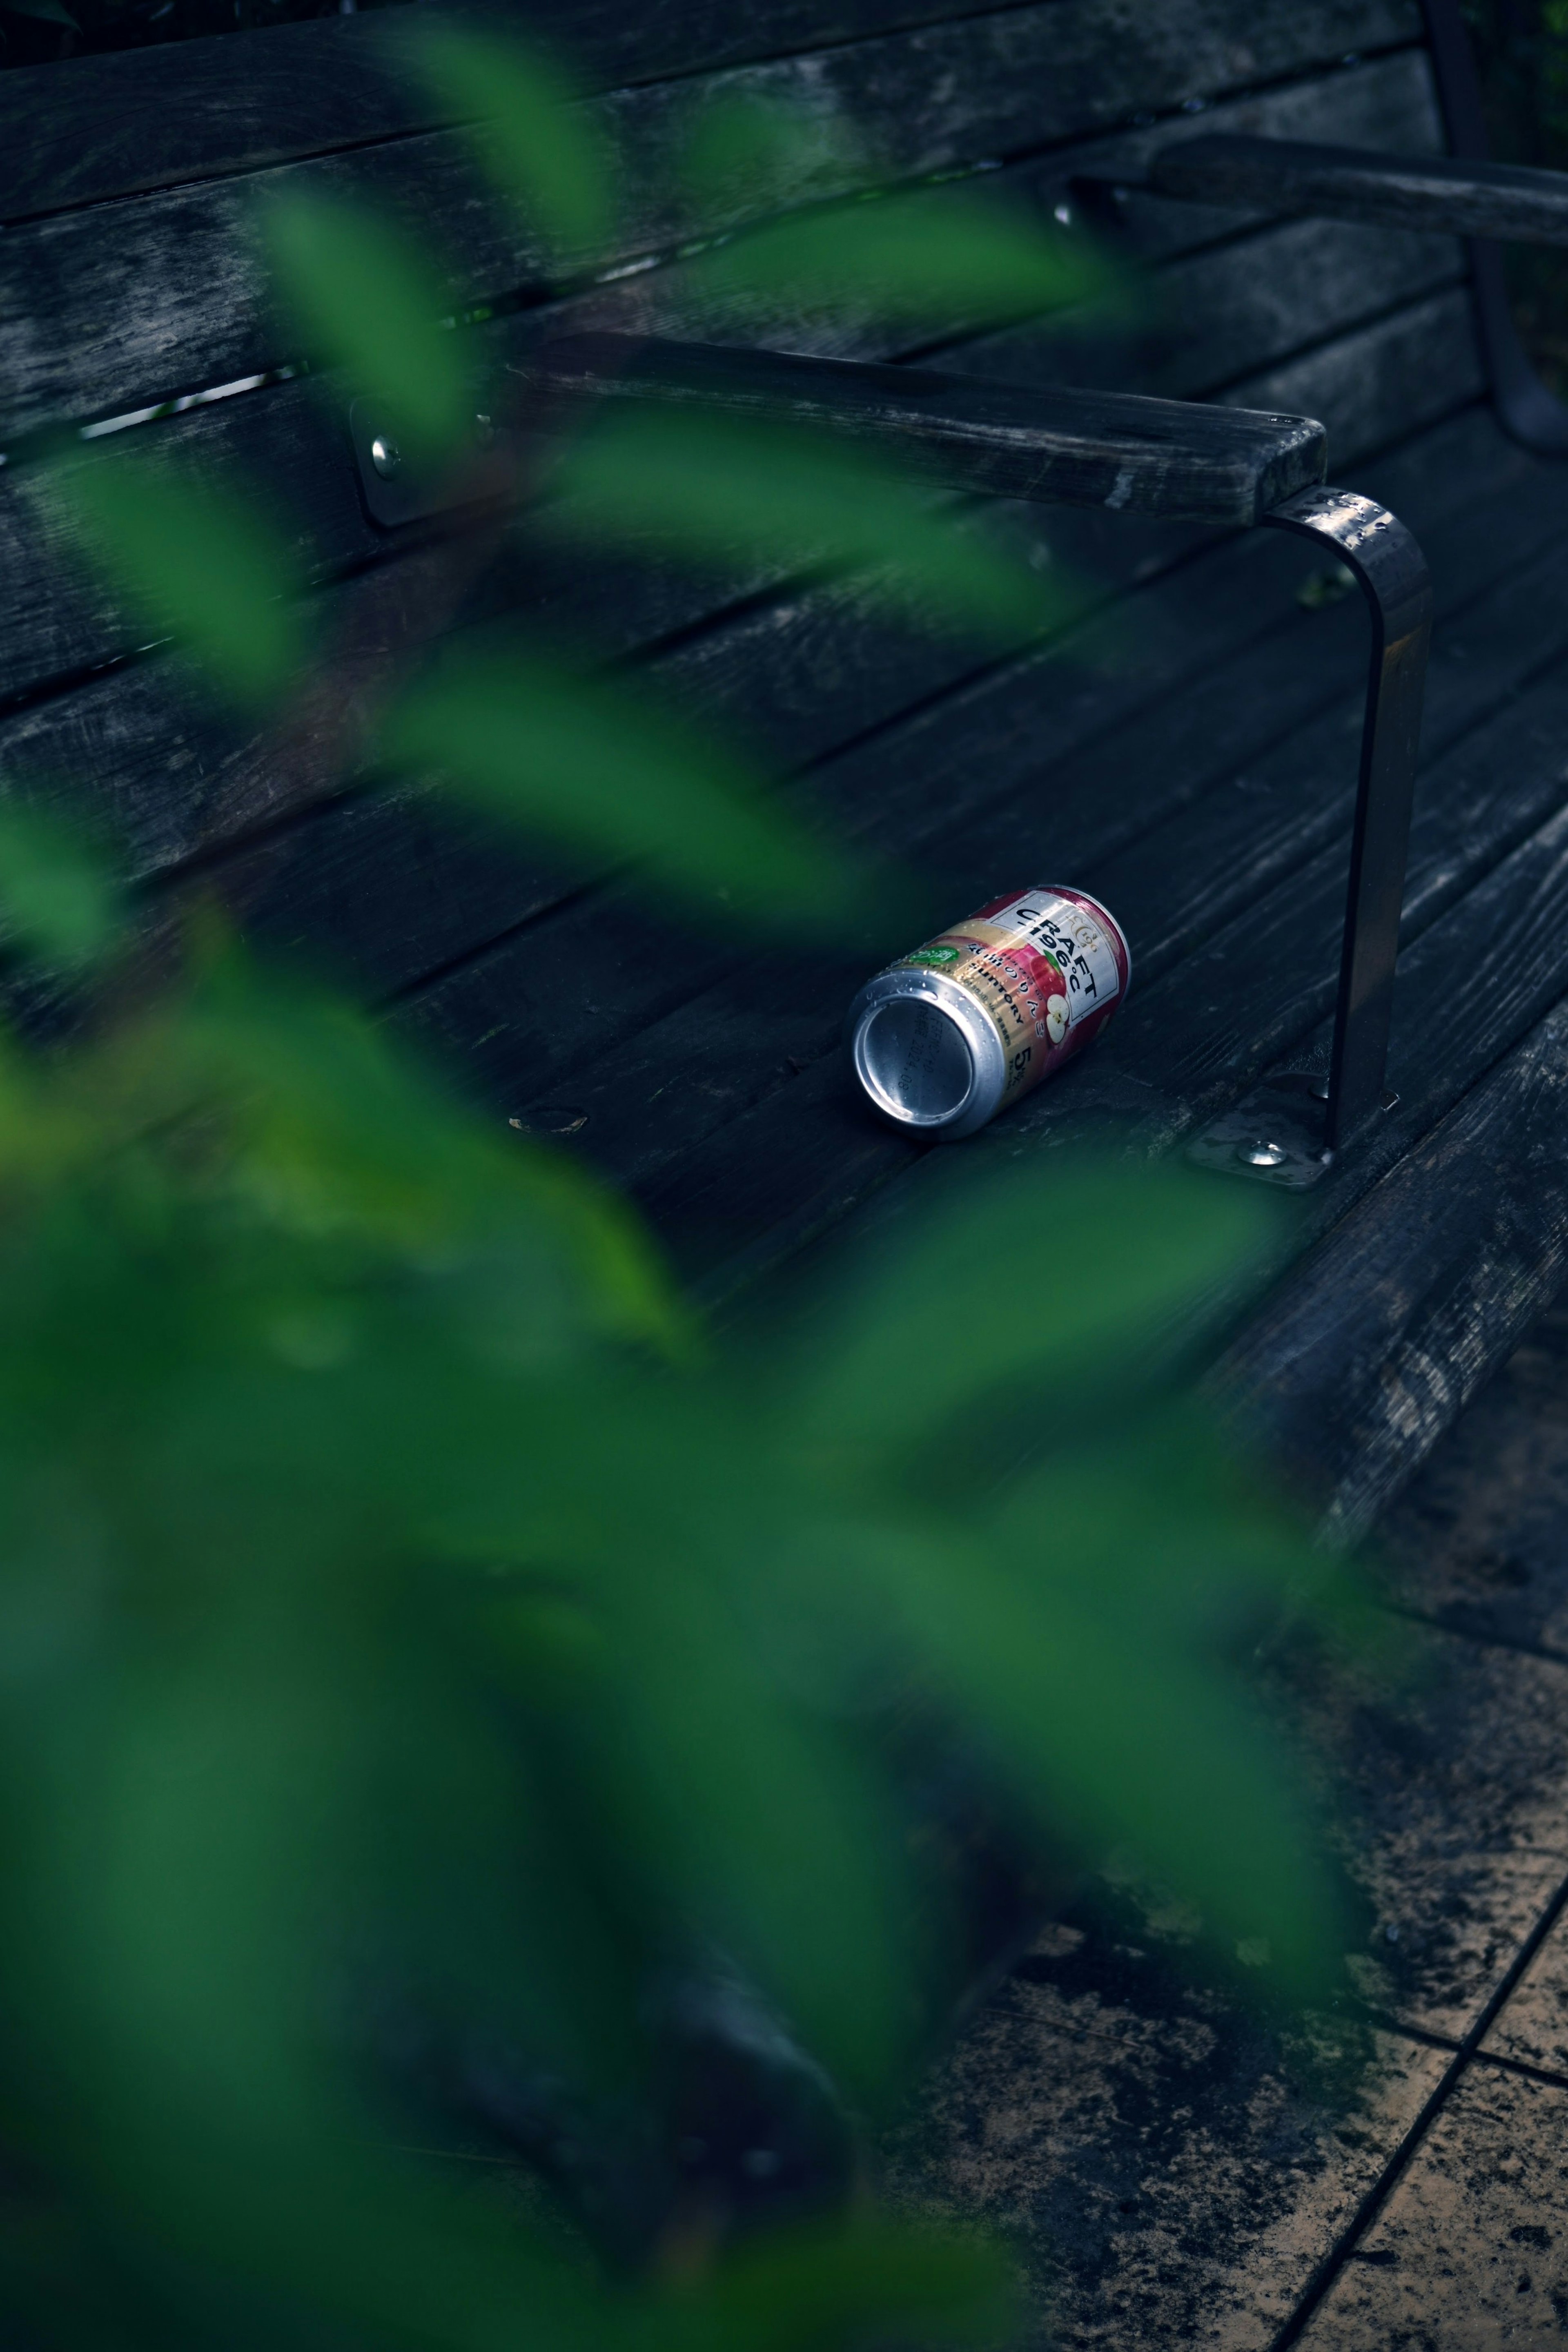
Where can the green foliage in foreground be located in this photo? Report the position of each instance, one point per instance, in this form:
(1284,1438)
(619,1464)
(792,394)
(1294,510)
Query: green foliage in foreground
(393,1577)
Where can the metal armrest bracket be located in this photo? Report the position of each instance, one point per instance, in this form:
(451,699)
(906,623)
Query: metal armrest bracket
(1290,1129)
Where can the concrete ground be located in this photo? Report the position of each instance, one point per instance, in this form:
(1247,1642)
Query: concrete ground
(1176,2166)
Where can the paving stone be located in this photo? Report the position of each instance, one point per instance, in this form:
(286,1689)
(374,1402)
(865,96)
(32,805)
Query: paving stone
(1170,2166)
(1448,1777)
(1533,2025)
(1172,2162)
(1472,2250)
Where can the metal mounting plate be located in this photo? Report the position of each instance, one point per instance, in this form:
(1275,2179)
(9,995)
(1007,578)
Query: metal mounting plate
(397,491)
(1283,1117)
(1274,1134)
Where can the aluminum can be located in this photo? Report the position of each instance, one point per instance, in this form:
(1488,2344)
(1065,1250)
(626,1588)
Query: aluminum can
(953,1033)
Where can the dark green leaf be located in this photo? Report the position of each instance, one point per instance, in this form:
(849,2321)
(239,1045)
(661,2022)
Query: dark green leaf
(536,145)
(596,768)
(367,298)
(59,901)
(714,487)
(198,562)
(1026,1275)
(943,258)
(1113,1732)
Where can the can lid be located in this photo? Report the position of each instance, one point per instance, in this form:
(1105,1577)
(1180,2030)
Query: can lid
(914,1060)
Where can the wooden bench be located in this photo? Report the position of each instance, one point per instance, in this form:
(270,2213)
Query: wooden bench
(1186,749)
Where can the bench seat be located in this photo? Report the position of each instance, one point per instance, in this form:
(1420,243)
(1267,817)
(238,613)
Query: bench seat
(1183,746)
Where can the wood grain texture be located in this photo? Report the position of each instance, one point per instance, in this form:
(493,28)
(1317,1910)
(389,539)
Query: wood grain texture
(113,126)
(1187,746)
(1208,319)
(1374,1344)
(104,310)
(814,669)
(117,125)
(1370,388)
(1183,461)
(1465,199)
(286,442)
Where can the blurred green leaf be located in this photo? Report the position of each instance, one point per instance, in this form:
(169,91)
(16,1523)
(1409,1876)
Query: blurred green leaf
(367,299)
(713,485)
(598,768)
(1066,1280)
(397,1617)
(56,899)
(774,1835)
(1111,1728)
(747,156)
(198,562)
(333,1131)
(537,146)
(868,2281)
(943,257)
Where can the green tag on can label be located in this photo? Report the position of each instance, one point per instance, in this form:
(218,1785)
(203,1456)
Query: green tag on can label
(935,955)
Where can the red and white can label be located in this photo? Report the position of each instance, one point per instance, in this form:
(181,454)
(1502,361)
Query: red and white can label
(1047,967)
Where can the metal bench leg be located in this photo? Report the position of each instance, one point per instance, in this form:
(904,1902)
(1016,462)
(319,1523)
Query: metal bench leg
(1277,1132)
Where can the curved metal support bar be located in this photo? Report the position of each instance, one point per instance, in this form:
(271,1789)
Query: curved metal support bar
(1388,562)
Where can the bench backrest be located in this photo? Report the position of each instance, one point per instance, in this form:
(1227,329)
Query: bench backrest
(132,281)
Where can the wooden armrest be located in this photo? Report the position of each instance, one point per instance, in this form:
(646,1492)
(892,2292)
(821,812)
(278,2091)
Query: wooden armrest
(1178,458)
(1425,192)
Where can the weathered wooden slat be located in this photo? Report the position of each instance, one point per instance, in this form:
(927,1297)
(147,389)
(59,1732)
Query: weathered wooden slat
(1394,1322)
(285,440)
(1209,318)
(1179,460)
(175,787)
(56,619)
(113,126)
(104,310)
(1467,199)
(116,126)
(1294,941)
(1371,388)
(1263,980)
